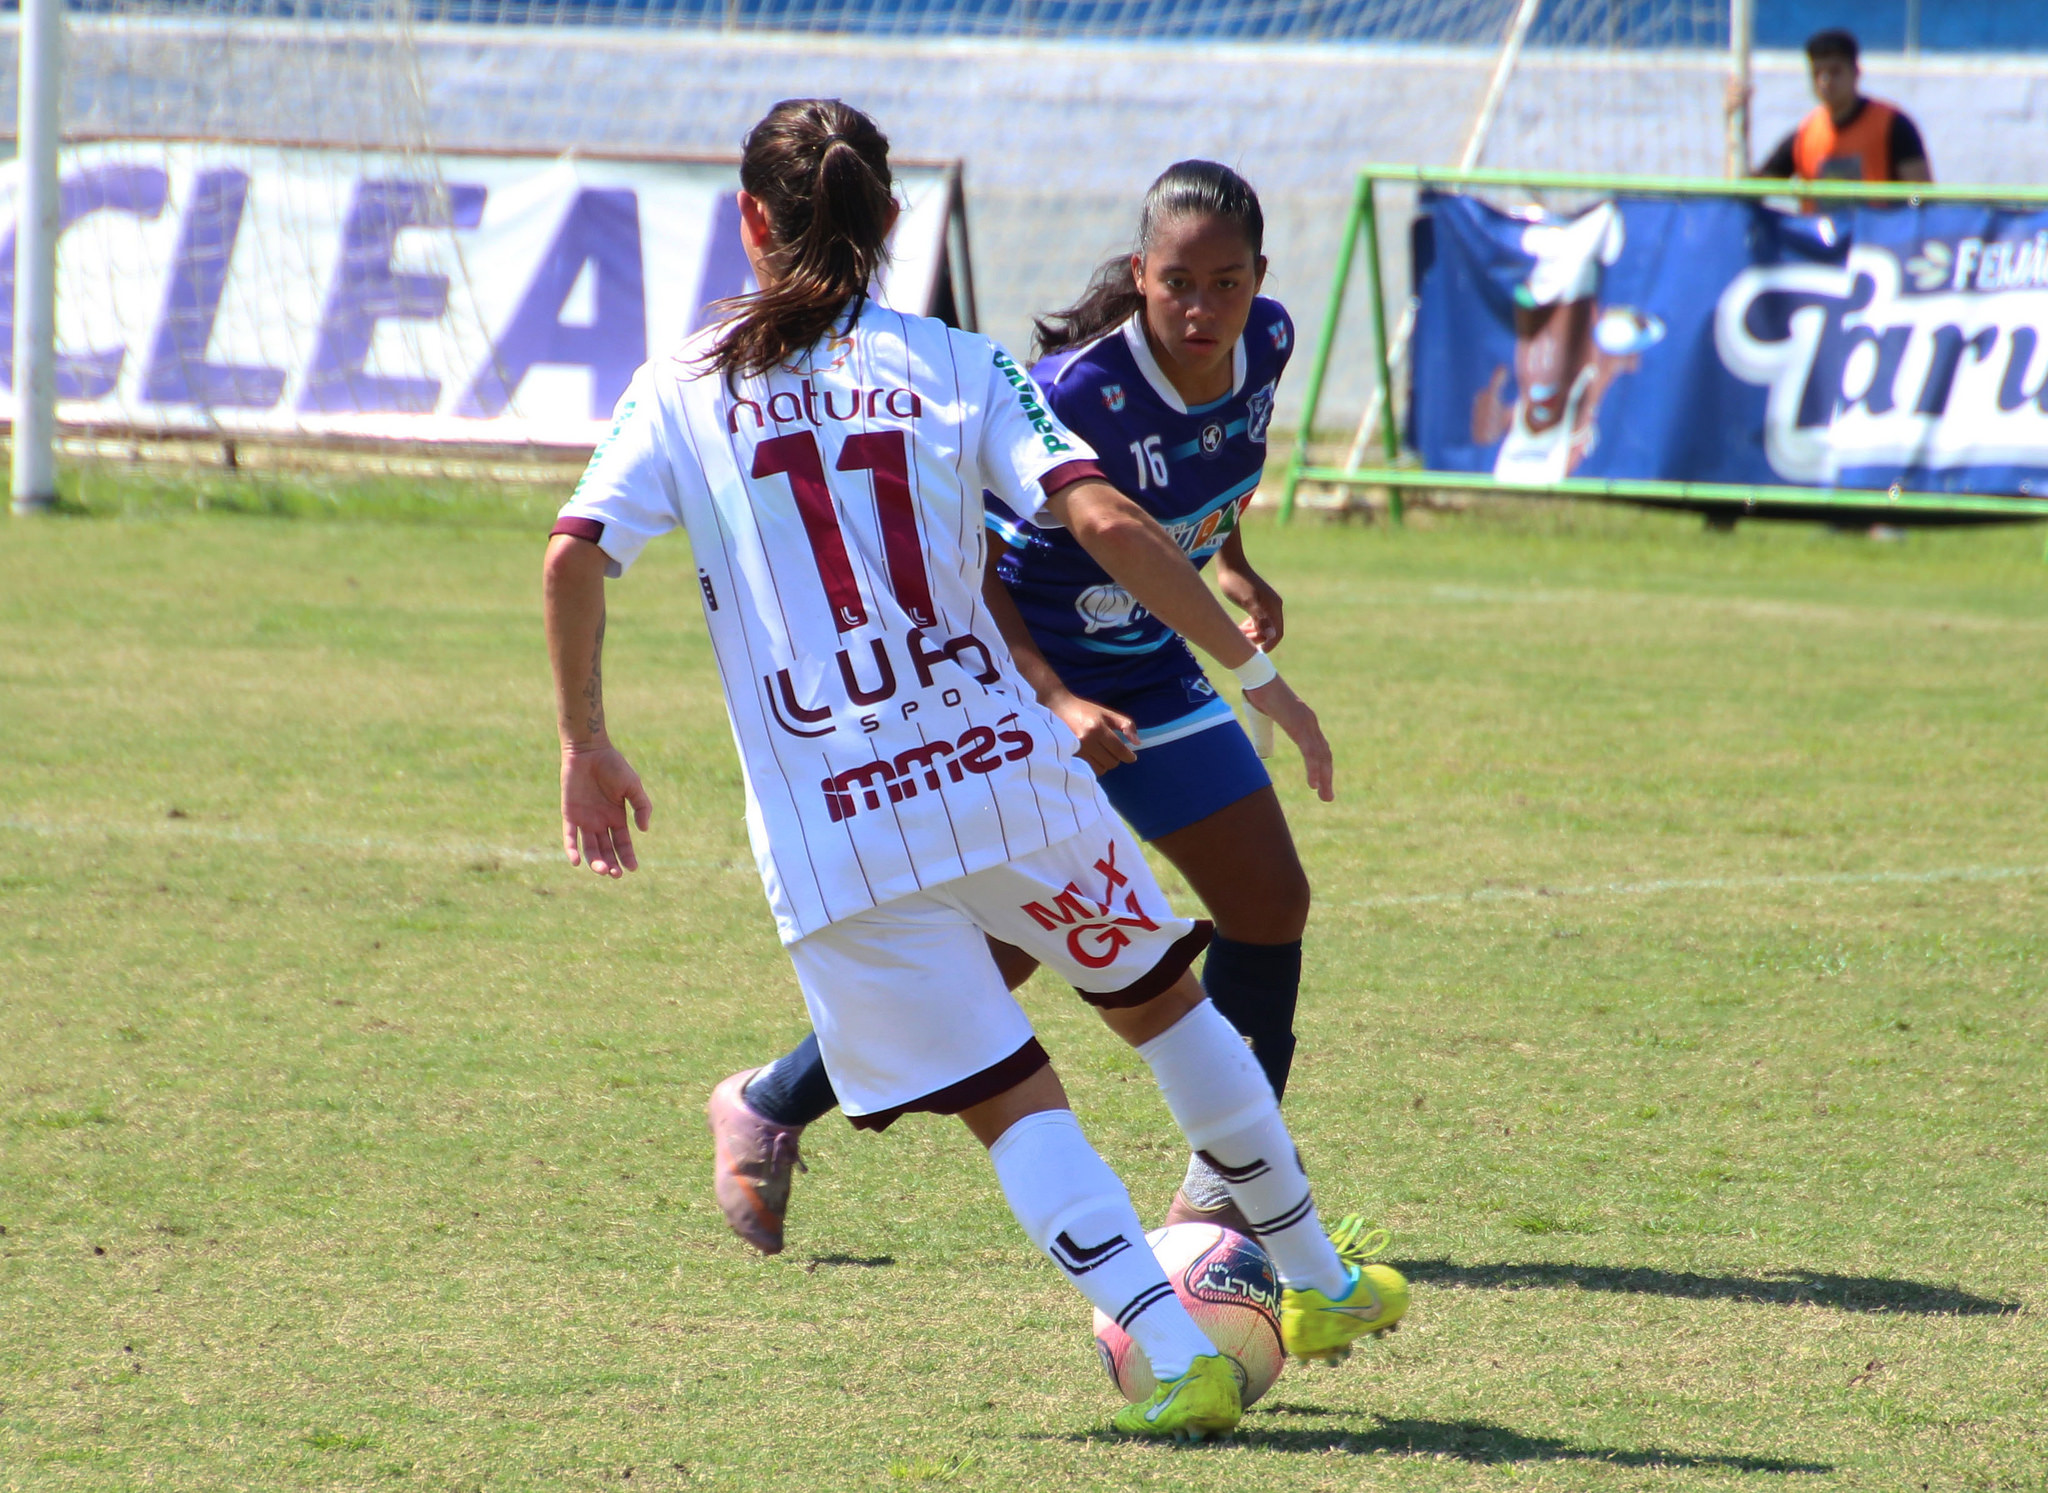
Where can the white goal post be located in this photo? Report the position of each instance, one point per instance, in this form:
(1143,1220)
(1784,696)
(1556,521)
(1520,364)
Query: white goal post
(34,475)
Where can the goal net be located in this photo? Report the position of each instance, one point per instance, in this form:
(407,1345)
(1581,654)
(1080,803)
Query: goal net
(432,220)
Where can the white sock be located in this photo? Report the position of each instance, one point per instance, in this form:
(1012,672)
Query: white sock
(1073,1207)
(1225,1106)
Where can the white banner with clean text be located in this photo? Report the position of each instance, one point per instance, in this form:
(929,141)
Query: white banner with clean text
(280,291)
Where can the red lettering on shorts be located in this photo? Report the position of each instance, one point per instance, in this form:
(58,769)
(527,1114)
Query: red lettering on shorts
(1111,877)
(1107,942)
(1068,908)
(1095,929)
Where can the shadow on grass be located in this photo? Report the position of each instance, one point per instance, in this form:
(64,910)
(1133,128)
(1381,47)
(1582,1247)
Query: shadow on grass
(859,1262)
(1848,1293)
(1479,1442)
(1475,1441)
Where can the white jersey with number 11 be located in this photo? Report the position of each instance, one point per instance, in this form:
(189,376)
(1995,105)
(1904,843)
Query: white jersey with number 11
(835,508)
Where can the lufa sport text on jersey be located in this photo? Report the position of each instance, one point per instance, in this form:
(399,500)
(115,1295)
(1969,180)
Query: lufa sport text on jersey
(797,718)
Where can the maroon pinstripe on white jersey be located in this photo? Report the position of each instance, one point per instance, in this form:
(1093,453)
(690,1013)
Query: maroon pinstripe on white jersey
(835,507)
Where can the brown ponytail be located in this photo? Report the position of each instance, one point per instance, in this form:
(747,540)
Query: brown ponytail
(820,170)
(1110,300)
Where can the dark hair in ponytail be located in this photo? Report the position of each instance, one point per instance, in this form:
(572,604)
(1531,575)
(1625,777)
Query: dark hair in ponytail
(1186,189)
(820,169)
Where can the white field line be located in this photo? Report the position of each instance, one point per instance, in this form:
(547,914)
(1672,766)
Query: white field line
(1707,884)
(1742,606)
(405,850)
(427,851)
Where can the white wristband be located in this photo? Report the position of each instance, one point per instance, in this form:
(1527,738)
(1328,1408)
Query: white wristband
(1256,670)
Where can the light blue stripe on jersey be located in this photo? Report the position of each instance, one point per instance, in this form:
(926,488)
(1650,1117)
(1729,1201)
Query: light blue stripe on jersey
(1150,645)
(1016,536)
(1215,713)
(1007,530)
(1192,448)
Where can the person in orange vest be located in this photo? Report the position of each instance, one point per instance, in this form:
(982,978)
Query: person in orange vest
(1848,137)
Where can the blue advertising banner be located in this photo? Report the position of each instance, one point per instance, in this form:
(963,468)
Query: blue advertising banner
(1724,341)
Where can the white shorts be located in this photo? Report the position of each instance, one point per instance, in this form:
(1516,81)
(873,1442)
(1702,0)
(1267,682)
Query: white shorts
(910,1010)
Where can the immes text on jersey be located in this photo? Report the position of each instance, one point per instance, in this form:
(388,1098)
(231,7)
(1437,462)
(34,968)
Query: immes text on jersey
(975,752)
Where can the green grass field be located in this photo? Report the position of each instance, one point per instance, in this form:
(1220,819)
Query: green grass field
(1675,993)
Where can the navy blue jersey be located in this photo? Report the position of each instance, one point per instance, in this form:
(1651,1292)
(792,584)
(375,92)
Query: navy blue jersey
(1193,469)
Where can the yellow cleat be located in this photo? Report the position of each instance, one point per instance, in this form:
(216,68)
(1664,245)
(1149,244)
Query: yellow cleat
(1357,1241)
(1318,1328)
(1201,1404)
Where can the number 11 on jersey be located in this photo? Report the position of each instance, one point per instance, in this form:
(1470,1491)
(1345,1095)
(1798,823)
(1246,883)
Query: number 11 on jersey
(886,453)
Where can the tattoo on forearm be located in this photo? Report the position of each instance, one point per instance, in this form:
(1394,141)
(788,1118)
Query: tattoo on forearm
(593,691)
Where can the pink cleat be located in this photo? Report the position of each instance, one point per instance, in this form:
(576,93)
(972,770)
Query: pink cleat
(751,1171)
(1227,1216)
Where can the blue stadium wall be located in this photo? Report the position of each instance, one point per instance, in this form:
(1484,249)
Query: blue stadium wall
(1882,25)
(1899,26)
(1059,140)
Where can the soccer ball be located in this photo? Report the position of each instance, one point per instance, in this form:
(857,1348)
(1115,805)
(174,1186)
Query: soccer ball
(1229,1286)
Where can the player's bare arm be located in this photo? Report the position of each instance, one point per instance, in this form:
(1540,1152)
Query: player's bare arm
(1107,736)
(1141,557)
(1244,588)
(598,783)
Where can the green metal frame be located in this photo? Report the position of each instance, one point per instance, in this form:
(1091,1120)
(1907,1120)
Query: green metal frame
(1364,224)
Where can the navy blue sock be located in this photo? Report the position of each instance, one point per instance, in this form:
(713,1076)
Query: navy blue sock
(1255,986)
(793,1090)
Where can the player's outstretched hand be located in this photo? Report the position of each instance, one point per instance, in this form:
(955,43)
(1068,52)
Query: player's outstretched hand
(598,784)
(1265,620)
(1107,737)
(1292,715)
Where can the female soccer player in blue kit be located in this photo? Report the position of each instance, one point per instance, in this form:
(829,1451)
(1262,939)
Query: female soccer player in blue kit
(1168,368)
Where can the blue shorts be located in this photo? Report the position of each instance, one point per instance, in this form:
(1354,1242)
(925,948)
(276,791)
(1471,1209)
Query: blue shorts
(1176,783)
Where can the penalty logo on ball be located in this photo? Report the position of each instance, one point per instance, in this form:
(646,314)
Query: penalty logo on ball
(1229,1286)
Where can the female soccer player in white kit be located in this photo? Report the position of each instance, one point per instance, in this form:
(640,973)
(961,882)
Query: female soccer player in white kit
(907,798)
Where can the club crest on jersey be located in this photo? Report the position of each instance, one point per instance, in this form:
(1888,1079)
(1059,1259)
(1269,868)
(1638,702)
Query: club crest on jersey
(1212,438)
(1278,332)
(1259,415)
(830,357)
(1113,397)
